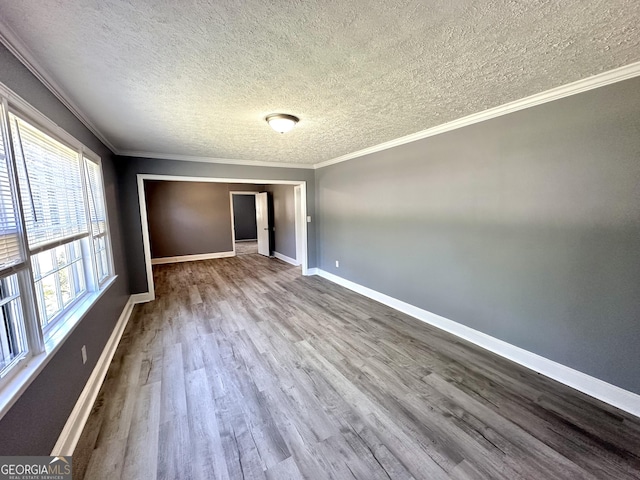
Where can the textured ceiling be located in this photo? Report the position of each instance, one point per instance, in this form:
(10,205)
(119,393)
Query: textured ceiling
(197,78)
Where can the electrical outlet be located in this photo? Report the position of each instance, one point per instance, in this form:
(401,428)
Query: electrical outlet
(309,219)
(337,264)
(84,354)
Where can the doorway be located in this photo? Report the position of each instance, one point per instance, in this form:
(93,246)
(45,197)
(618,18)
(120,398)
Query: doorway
(245,224)
(300,215)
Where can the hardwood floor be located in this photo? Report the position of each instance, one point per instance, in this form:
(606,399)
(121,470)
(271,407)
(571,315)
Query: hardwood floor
(243,369)
(246,248)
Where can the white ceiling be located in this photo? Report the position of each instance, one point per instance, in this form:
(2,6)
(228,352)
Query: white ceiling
(197,78)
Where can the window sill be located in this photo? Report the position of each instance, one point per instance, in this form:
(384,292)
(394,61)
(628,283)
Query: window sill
(28,369)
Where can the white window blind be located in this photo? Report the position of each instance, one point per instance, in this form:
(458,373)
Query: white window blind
(9,240)
(50,177)
(96,197)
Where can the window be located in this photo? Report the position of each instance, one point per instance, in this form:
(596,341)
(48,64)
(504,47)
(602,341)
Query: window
(50,178)
(9,241)
(54,235)
(98,217)
(59,279)
(13,343)
(13,339)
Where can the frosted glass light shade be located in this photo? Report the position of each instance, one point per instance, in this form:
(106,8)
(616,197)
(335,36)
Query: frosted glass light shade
(281,122)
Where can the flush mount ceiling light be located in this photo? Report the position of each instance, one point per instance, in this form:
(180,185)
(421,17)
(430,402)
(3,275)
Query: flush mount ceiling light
(281,122)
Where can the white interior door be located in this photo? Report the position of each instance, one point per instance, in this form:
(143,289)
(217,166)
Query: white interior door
(262,219)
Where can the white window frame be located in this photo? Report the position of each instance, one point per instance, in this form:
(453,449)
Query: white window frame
(54,319)
(87,251)
(30,318)
(4,301)
(88,155)
(43,343)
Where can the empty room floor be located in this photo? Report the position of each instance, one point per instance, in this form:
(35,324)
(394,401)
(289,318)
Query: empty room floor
(246,247)
(243,369)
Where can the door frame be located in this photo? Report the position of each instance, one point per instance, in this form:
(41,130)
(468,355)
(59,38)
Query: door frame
(141,177)
(300,224)
(233,222)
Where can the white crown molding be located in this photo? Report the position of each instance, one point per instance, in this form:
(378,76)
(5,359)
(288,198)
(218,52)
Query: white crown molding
(594,387)
(226,161)
(13,43)
(24,55)
(600,80)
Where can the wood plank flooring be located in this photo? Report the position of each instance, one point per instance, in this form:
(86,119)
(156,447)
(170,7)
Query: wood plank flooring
(246,248)
(243,369)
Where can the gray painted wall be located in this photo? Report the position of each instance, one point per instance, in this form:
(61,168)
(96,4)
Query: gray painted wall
(284,218)
(525,227)
(188,218)
(244,217)
(34,423)
(129,167)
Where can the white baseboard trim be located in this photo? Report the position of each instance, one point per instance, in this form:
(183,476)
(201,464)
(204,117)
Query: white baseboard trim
(72,430)
(142,297)
(191,258)
(312,271)
(284,258)
(608,393)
